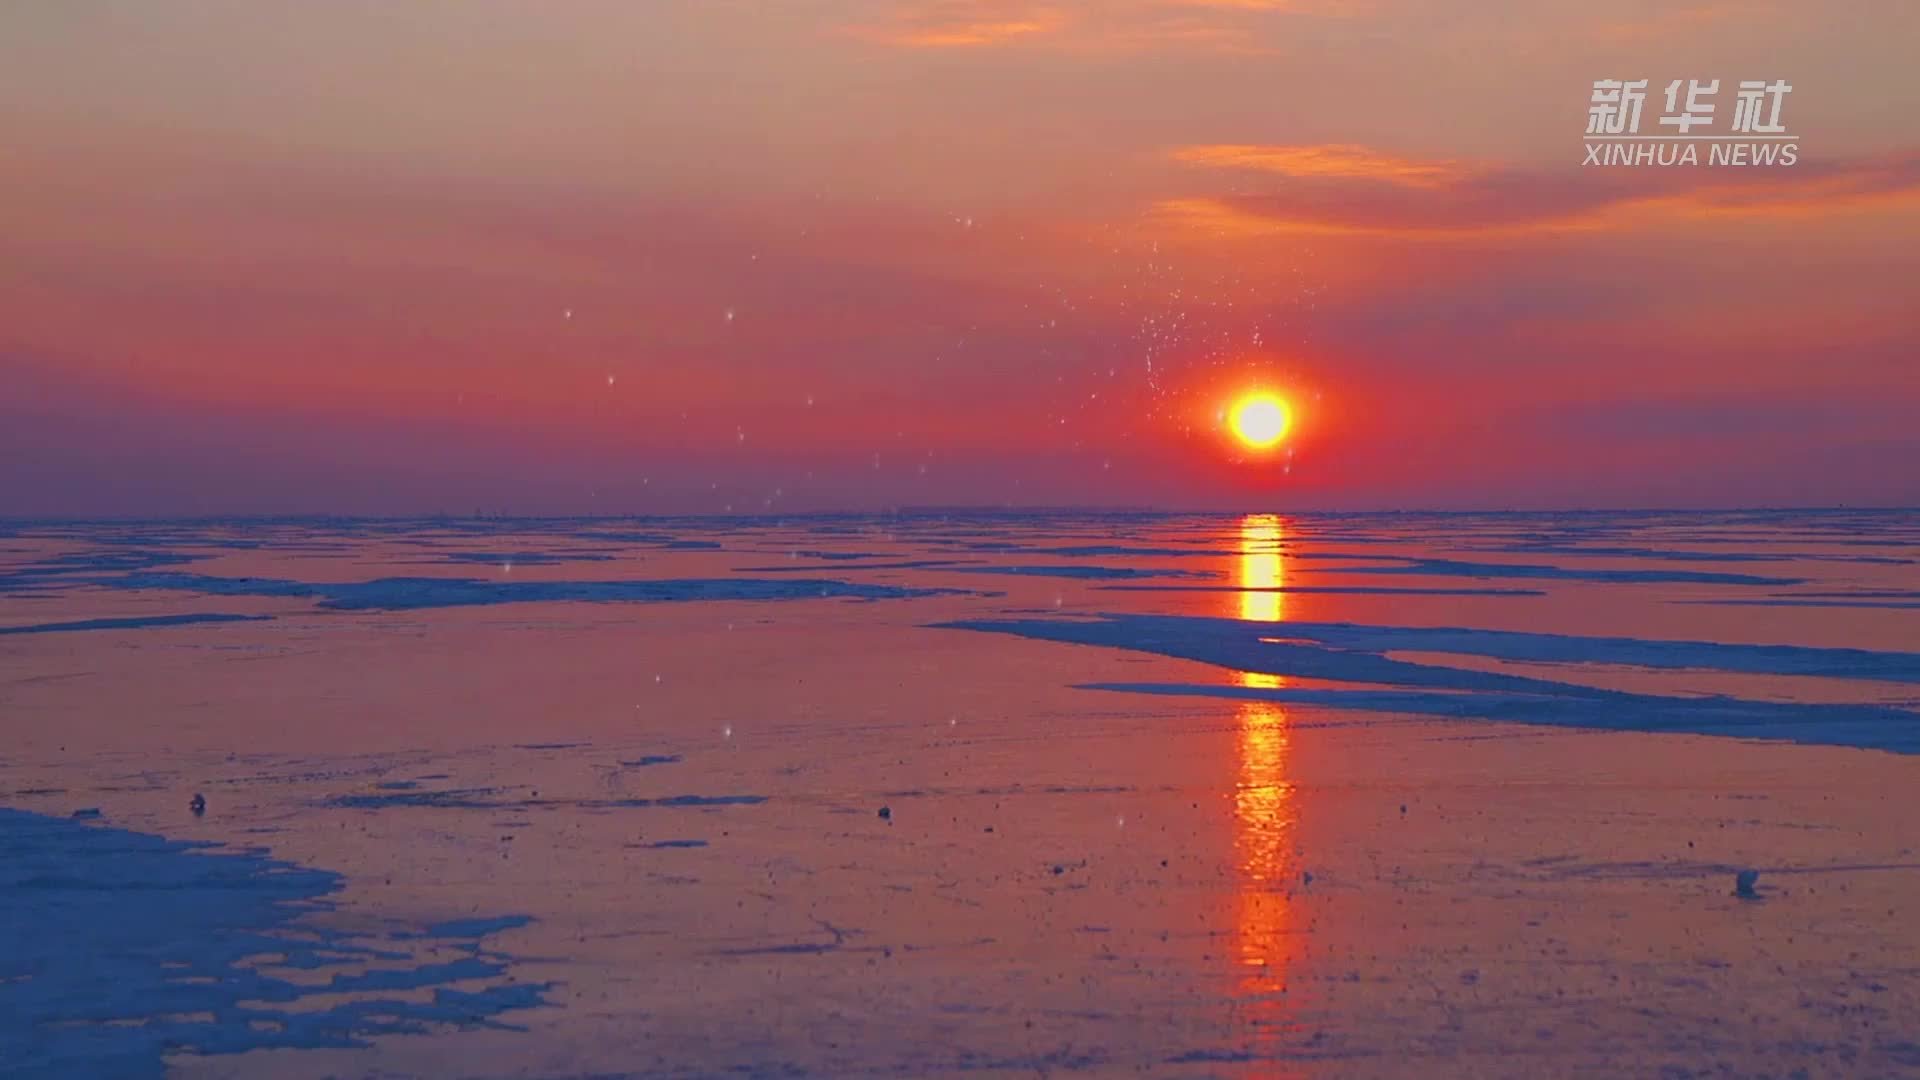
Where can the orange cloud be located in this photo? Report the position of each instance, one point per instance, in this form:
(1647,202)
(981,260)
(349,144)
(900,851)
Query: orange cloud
(1325,160)
(1079,25)
(1297,7)
(952,24)
(1353,190)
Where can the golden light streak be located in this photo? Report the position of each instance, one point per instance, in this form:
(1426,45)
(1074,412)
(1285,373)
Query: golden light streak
(1263,793)
(1260,570)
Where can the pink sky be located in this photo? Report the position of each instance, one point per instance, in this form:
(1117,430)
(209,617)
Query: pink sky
(719,255)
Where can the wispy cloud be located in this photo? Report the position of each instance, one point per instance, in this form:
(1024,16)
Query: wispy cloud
(1678,21)
(959,24)
(1342,160)
(1080,25)
(1345,189)
(1301,7)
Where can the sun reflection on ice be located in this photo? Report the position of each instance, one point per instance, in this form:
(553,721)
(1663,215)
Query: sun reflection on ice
(1260,569)
(1263,795)
(1263,801)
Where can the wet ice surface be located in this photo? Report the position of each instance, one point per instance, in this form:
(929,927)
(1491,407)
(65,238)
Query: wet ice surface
(1191,796)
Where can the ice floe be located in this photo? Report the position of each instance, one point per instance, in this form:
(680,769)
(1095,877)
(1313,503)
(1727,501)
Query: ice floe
(119,947)
(1356,654)
(411,593)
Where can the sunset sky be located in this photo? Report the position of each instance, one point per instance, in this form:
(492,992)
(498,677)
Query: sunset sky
(588,256)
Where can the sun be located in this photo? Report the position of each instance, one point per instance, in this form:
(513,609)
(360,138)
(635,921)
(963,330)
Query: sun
(1259,420)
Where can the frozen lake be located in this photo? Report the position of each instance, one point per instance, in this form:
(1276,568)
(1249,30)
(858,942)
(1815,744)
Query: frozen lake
(1019,794)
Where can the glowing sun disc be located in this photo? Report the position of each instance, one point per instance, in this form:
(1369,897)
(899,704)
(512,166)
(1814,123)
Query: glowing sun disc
(1259,420)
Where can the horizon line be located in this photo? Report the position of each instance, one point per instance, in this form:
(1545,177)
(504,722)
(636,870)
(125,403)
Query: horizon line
(982,509)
